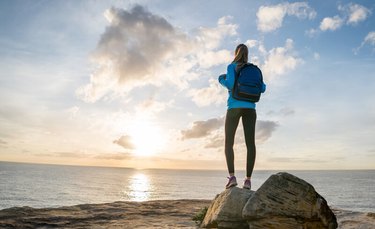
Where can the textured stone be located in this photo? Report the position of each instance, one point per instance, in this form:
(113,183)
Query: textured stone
(286,201)
(225,210)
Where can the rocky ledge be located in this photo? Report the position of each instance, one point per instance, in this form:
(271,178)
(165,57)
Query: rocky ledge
(148,214)
(284,201)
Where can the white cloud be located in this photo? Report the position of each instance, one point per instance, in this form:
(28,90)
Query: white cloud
(330,23)
(72,111)
(212,58)
(280,60)
(311,32)
(140,48)
(251,43)
(131,49)
(351,14)
(356,13)
(213,94)
(370,38)
(216,141)
(301,10)
(271,17)
(151,107)
(316,56)
(212,37)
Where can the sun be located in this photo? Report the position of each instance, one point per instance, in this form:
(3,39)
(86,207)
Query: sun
(147,137)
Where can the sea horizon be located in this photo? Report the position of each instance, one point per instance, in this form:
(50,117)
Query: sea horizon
(49,185)
(193,169)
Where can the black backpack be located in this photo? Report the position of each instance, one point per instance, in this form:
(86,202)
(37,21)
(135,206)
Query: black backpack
(248,83)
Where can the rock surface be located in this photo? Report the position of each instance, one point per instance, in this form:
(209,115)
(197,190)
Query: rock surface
(225,210)
(148,214)
(355,220)
(286,201)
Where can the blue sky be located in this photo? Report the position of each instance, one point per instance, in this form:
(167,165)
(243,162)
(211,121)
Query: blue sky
(134,83)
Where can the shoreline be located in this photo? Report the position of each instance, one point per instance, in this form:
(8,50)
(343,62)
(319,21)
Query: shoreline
(131,214)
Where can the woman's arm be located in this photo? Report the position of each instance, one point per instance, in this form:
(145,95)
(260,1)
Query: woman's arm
(228,79)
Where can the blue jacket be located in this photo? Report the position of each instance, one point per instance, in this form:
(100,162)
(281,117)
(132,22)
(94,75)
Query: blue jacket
(228,82)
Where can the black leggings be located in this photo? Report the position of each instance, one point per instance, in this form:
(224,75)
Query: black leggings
(232,119)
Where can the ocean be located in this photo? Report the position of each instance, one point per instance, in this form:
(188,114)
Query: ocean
(39,186)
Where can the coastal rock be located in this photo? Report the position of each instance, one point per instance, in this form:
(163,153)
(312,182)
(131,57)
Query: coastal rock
(129,214)
(286,201)
(225,210)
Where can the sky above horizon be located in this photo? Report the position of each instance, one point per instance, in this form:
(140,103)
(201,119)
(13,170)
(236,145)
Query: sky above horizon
(134,83)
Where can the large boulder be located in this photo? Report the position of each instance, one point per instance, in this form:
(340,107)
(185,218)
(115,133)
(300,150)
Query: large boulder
(286,201)
(225,210)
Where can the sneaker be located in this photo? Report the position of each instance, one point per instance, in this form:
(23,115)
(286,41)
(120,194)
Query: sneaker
(247,184)
(232,182)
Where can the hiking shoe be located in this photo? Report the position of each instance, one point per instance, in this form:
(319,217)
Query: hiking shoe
(232,182)
(247,184)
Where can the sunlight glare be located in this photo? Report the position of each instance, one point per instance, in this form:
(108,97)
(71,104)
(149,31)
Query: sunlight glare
(147,137)
(139,187)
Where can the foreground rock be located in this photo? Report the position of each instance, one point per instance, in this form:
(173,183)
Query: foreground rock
(283,201)
(286,201)
(226,209)
(149,214)
(357,220)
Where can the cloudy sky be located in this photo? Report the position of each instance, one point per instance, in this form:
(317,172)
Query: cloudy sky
(134,83)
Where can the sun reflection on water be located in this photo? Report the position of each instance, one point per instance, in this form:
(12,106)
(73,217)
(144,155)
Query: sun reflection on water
(139,188)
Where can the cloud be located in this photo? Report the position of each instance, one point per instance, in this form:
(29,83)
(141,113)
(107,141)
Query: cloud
(124,141)
(286,111)
(72,112)
(330,23)
(132,47)
(213,94)
(355,13)
(151,106)
(140,48)
(68,154)
(296,160)
(312,32)
(202,128)
(80,155)
(270,18)
(351,14)
(264,130)
(216,141)
(212,58)
(316,56)
(212,37)
(280,60)
(369,39)
(114,156)
(2,142)
(251,43)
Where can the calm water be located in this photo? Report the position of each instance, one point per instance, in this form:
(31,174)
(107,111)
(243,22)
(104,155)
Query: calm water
(55,185)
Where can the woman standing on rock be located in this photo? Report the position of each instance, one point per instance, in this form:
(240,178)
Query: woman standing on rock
(237,109)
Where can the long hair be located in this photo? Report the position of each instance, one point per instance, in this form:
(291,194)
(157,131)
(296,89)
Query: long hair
(241,55)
